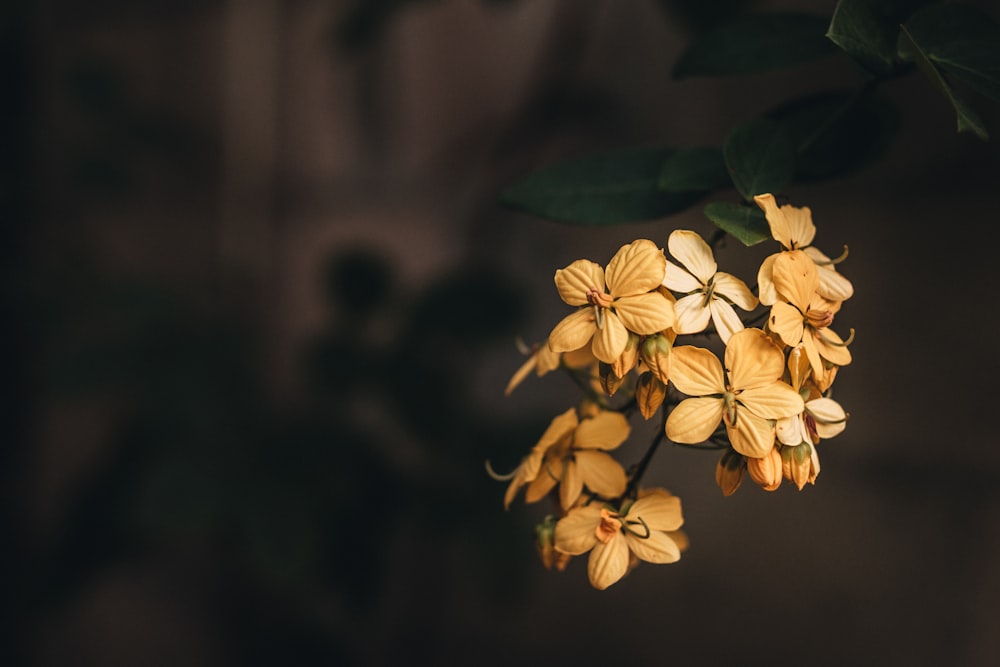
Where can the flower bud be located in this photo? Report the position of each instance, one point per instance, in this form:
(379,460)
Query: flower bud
(610,382)
(766,471)
(629,357)
(799,465)
(655,353)
(545,541)
(729,471)
(649,394)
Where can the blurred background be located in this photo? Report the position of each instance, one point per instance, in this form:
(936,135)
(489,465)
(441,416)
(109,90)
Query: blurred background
(261,303)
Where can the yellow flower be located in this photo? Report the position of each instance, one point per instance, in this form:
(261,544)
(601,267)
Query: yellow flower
(709,293)
(612,535)
(573,453)
(801,316)
(793,228)
(624,299)
(748,404)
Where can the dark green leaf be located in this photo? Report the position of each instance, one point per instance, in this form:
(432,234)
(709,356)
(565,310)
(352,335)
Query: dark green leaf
(694,169)
(745,222)
(967,119)
(962,41)
(867,30)
(760,157)
(600,190)
(837,132)
(755,43)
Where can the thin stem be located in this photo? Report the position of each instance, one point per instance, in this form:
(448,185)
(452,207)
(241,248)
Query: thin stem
(640,469)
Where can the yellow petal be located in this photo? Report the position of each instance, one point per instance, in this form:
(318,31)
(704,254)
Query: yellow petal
(786,321)
(831,347)
(601,473)
(753,359)
(692,251)
(522,373)
(608,562)
(660,510)
(691,314)
(694,420)
(798,367)
(735,290)
(772,401)
(780,231)
(611,339)
(657,548)
(607,430)
(540,487)
(579,358)
(574,331)
(752,436)
(680,280)
(645,314)
(801,229)
(725,319)
(558,428)
(765,281)
(695,371)
(795,278)
(636,268)
(576,280)
(571,485)
(575,532)
(832,285)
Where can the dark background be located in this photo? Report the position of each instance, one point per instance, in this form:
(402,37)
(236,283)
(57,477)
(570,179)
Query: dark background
(260,305)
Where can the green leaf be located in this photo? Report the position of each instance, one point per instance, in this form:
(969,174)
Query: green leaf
(967,119)
(755,43)
(837,132)
(600,190)
(962,41)
(760,157)
(867,31)
(746,222)
(694,169)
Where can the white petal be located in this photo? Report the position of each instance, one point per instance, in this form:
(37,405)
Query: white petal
(680,280)
(657,548)
(692,251)
(691,315)
(735,290)
(726,321)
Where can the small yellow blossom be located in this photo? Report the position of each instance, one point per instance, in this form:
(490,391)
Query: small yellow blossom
(710,294)
(793,228)
(624,299)
(748,404)
(613,534)
(801,316)
(573,454)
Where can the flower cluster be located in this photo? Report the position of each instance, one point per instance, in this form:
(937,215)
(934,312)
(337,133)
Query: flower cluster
(632,344)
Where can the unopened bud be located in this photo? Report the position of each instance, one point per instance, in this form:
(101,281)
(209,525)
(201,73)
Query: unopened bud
(655,353)
(797,464)
(609,381)
(766,471)
(545,541)
(628,358)
(729,471)
(649,394)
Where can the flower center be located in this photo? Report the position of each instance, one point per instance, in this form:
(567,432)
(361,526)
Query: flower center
(596,297)
(819,319)
(608,527)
